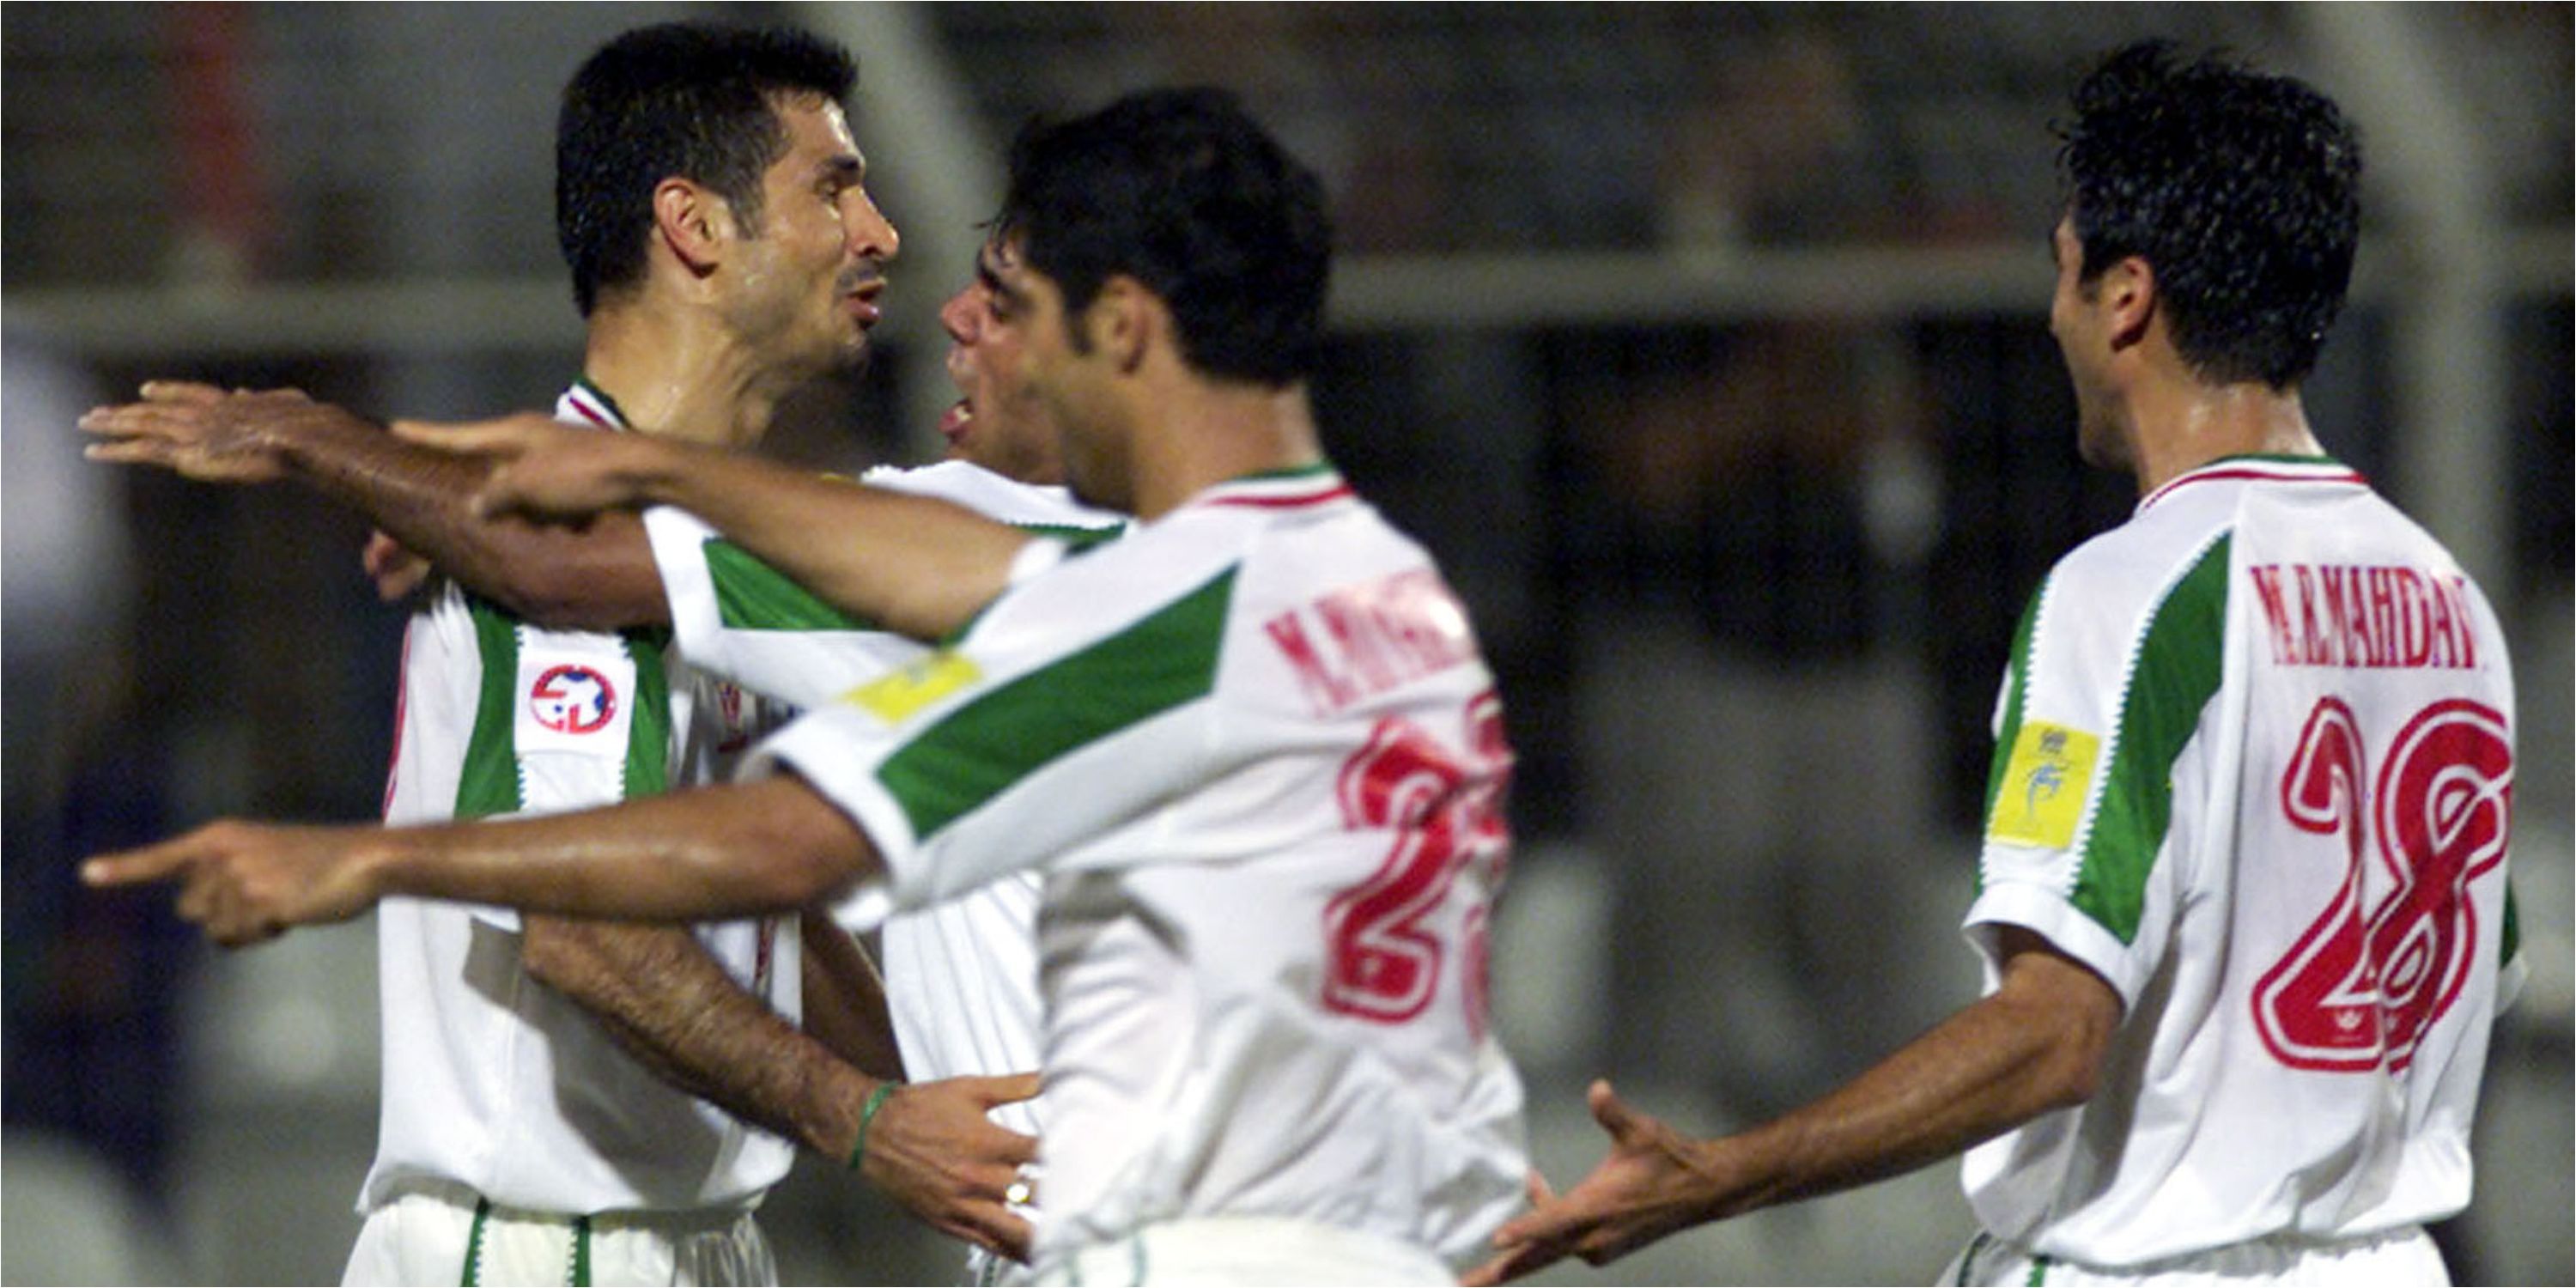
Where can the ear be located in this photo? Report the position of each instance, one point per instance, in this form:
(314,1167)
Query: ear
(1124,322)
(2127,291)
(693,223)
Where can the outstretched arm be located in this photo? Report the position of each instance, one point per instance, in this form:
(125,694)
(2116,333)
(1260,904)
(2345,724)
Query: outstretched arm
(598,578)
(915,565)
(734,850)
(2034,1045)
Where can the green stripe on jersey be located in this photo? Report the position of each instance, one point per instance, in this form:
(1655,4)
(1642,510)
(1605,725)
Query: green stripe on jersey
(2171,680)
(1075,536)
(752,596)
(648,741)
(489,782)
(977,751)
(2509,942)
(2016,686)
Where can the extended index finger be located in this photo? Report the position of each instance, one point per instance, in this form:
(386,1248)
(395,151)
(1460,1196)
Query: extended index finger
(180,391)
(1513,1262)
(158,862)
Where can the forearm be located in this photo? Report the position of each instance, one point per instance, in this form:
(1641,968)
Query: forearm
(768,846)
(1982,1072)
(601,577)
(845,1001)
(671,1005)
(918,566)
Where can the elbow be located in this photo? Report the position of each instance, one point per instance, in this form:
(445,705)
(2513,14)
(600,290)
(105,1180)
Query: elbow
(809,851)
(601,579)
(798,879)
(2078,1055)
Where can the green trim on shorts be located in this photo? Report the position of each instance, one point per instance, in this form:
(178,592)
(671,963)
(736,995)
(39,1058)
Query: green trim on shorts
(580,1252)
(474,1245)
(1968,1259)
(2038,1271)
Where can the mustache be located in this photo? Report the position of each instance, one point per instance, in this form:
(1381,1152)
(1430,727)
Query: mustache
(867,272)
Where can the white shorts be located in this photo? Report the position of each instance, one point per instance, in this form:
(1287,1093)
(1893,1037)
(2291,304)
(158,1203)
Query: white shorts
(452,1237)
(1248,1250)
(2405,1256)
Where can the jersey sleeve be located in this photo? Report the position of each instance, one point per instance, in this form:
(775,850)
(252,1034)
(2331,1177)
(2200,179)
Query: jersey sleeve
(2111,673)
(739,619)
(1078,704)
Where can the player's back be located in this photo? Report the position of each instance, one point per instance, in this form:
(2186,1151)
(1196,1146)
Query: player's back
(2373,817)
(1256,752)
(1268,997)
(2294,845)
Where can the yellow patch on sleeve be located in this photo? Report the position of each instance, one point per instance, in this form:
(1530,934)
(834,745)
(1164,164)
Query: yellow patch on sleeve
(2042,794)
(901,694)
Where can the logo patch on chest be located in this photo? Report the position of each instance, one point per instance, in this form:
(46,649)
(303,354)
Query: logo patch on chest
(574,702)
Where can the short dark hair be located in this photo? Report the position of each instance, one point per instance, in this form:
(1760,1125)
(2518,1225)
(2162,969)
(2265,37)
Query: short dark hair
(683,99)
(2239,188)
(1183,191)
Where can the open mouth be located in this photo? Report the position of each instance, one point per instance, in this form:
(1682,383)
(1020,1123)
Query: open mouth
(860,298)
(954,422)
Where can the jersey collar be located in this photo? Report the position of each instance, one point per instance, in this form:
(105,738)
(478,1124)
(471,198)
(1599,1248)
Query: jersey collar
(592,404)
(1288,489)
(2261,469)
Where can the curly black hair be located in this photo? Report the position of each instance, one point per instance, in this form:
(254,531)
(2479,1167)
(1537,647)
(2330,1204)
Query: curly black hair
(1183,191)
(685,99)
(2240,190)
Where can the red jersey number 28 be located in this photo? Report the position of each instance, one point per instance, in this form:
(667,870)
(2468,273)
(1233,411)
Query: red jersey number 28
(2360,986)
(1444,809)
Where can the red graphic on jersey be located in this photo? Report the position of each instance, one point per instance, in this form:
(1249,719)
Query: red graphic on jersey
(573,699)
(1382,963)
(2356,992)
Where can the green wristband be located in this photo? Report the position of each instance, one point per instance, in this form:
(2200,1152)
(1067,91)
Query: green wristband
(868,1114)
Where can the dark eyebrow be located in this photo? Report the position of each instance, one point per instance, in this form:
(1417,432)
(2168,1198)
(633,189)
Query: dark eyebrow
(845,169)
(992,280)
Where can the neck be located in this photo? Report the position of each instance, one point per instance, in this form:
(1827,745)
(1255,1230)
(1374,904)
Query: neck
(1208,432)
(2183,425)
(678,372)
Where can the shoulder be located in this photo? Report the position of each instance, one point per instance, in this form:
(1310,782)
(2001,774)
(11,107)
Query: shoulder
(992,495)
(2135,566)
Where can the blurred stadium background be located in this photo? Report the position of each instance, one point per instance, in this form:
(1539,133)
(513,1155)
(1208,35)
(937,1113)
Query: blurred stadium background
(1706,344)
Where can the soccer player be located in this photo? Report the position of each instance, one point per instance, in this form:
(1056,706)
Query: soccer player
(724,250)
(2242,896)
(961,977)
(1252,746)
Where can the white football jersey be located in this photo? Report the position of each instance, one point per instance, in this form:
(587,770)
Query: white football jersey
(1255,753)
(2254,764)
(961,978)
(491,1079)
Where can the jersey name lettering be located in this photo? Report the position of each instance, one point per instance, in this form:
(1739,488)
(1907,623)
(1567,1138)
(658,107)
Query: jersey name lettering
(1360,641)
(2357,616)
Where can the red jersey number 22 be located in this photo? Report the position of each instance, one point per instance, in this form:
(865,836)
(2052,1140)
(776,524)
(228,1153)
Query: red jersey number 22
(1445,812)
